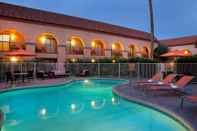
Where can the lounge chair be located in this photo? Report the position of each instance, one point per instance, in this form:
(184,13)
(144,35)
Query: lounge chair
(168,79)
(155,78)
(179,86)
(83,73)
(59,74)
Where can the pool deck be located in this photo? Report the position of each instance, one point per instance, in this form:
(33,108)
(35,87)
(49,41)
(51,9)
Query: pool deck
(165,100)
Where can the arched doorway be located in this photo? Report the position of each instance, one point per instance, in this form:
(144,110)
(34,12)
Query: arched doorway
(97,48)
(131,51)
(76,46)
(46,43)
(117,49)
(11,40)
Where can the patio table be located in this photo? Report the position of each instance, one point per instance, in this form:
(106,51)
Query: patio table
(21,74)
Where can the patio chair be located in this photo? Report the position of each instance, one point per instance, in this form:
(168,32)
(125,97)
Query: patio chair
(179,86)
(30,74)
(9,76)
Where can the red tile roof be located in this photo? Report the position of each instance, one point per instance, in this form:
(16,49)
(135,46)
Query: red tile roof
(188,40)
(45,17)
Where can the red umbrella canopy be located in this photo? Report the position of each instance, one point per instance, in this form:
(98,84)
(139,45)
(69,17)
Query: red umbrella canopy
(177,53)
(20,53)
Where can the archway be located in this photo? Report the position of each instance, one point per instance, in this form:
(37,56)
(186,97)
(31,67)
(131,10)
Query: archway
(131,51)
(76,46)
(46,43)
(117,49)
(97,48)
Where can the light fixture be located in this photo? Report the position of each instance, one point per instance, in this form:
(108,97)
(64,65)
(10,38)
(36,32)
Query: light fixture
(13,59)
(43,39)
(113,100)
(113,61)
(86,81)
(73,42)
(43,112)
(93,44)
(73,107)
(93,60)
(113,46)
(186,52)
(73,60)
(172,64)
(93,104)
(13,37)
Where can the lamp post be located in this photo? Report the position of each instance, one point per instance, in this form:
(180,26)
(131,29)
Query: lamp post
(151,17)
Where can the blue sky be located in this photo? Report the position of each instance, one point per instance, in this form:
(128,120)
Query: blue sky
(173,18)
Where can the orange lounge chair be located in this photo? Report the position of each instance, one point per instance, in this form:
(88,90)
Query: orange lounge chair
(168,79)
(189,98)
(155,78)
(179,86)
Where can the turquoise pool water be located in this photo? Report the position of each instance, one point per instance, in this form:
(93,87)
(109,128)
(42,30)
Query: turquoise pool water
(85,105)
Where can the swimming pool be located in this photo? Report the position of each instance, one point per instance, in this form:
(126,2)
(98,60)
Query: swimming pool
(83,105)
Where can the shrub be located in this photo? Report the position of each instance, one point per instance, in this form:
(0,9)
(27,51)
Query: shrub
(118,60)
(192,59)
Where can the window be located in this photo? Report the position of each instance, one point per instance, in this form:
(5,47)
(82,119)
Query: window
(4,42)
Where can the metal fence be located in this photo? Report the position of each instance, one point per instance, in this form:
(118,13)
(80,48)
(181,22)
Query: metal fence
(104,70)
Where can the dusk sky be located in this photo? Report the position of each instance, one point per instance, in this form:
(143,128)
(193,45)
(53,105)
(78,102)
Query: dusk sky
(173,18)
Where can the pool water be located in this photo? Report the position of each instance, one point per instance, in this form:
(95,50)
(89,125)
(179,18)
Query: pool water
(84,105)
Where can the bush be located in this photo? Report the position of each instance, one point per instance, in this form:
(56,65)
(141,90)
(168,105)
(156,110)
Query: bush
(118,60)
(192,59)
(161,49)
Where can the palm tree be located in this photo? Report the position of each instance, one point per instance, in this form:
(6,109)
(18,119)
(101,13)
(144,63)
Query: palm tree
(151,27)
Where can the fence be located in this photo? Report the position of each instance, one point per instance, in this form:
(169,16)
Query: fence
(116,70)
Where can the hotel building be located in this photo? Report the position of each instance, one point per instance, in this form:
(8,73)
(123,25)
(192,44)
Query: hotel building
(182,43)
(56,37)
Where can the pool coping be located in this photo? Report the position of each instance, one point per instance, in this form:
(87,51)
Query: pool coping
(156,107)
(51,85)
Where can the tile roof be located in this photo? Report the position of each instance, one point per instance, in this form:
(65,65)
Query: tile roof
(187,40)
(45,17)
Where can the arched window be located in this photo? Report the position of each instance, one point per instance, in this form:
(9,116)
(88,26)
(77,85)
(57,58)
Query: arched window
(97,48)
(11,40)
(46,44)
(145,52)
(131,51)
(117,49)
(75,46)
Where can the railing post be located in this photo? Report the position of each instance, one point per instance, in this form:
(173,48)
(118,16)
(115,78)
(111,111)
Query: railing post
(98,69)
(34,67)
(118,70)
(138,71)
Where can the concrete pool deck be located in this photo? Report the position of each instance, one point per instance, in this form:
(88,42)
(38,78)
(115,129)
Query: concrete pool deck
(164,100)
(167,101)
